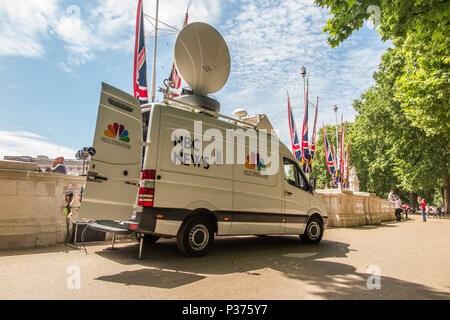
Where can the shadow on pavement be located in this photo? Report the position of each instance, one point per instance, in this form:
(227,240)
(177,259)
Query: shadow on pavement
(343,282)
(285,254)
(153,278)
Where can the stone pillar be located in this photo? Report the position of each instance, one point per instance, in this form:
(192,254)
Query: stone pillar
(332,204)
(353,180)
(31,210)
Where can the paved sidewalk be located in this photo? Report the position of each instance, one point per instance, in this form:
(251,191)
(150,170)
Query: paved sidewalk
(413,258)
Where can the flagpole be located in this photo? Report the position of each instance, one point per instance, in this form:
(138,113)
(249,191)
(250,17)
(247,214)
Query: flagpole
(337,137)
(154,53)
(337,142)
(303,73)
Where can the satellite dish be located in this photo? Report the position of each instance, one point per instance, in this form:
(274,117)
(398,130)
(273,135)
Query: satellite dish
(202,58)
(240,113)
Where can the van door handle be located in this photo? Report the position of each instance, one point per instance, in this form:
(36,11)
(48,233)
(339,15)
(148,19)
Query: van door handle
(92,176)
(288,193)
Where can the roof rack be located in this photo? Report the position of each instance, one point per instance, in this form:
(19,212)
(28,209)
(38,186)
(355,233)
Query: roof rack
(170,101)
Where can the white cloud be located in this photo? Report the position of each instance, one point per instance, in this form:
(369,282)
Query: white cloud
(86,31)
(23,23)
(64,67)
(23,143)
(270,41)
(173,12)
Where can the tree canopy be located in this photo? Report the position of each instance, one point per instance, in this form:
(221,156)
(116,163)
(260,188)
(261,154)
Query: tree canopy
(401,135)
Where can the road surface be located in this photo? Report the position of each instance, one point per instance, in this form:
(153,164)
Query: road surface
(411,257)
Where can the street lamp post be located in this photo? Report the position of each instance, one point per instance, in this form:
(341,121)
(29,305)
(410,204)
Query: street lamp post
(303,73)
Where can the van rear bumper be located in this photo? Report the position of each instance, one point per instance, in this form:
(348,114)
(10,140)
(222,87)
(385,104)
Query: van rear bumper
(167,225)
(146,220)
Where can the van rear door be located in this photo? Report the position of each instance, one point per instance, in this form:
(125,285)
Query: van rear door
(113,175)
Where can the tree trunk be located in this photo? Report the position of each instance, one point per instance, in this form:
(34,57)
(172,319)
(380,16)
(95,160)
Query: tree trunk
(413,200)
(446,192)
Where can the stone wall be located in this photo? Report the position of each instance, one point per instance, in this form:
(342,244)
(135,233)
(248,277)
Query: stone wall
(347,208)
(31,205)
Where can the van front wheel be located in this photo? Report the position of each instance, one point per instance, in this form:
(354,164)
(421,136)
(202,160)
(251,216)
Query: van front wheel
(195,237)
(313,232)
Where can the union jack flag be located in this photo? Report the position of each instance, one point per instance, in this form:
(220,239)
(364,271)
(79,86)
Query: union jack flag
(313,141)
(347,165)
(329,158)
(175,79)
(296,150)
(342,153)
(140,64)
(336,163)
(306,156)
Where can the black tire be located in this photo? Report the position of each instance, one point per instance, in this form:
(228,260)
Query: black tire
(148,239)
(313,232)
(195,236)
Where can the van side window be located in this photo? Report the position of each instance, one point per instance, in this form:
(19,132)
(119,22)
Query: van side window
(289,171)
(293,174)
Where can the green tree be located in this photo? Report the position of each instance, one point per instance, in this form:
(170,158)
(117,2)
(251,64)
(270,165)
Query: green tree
(395,149)
(412,85)
(426,20)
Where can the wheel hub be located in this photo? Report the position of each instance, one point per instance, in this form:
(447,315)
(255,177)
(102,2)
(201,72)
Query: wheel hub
(314,230)
(198,237)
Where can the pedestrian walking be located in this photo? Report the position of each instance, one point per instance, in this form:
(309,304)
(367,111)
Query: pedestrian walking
(422,209)
(398,208)
(439,208)
(405,210)
(427,210)
(435,212)
(419,201)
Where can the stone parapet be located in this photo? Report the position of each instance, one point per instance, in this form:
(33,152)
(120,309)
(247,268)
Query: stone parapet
(348,209)
(32,203)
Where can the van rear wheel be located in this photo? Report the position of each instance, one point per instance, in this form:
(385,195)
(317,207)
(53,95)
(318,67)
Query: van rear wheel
(195,237)
(313,232)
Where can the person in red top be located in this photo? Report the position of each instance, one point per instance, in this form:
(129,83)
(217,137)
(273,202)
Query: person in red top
(422,206)
(405,208)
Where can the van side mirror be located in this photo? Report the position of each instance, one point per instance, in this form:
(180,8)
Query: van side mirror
(312,182)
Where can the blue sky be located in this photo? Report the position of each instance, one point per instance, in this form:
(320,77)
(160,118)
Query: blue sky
(54,54)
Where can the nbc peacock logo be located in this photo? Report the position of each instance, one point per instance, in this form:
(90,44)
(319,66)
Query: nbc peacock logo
(255,162)
(117,131)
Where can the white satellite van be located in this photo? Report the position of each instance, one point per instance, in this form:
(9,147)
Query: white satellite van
(190,186)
